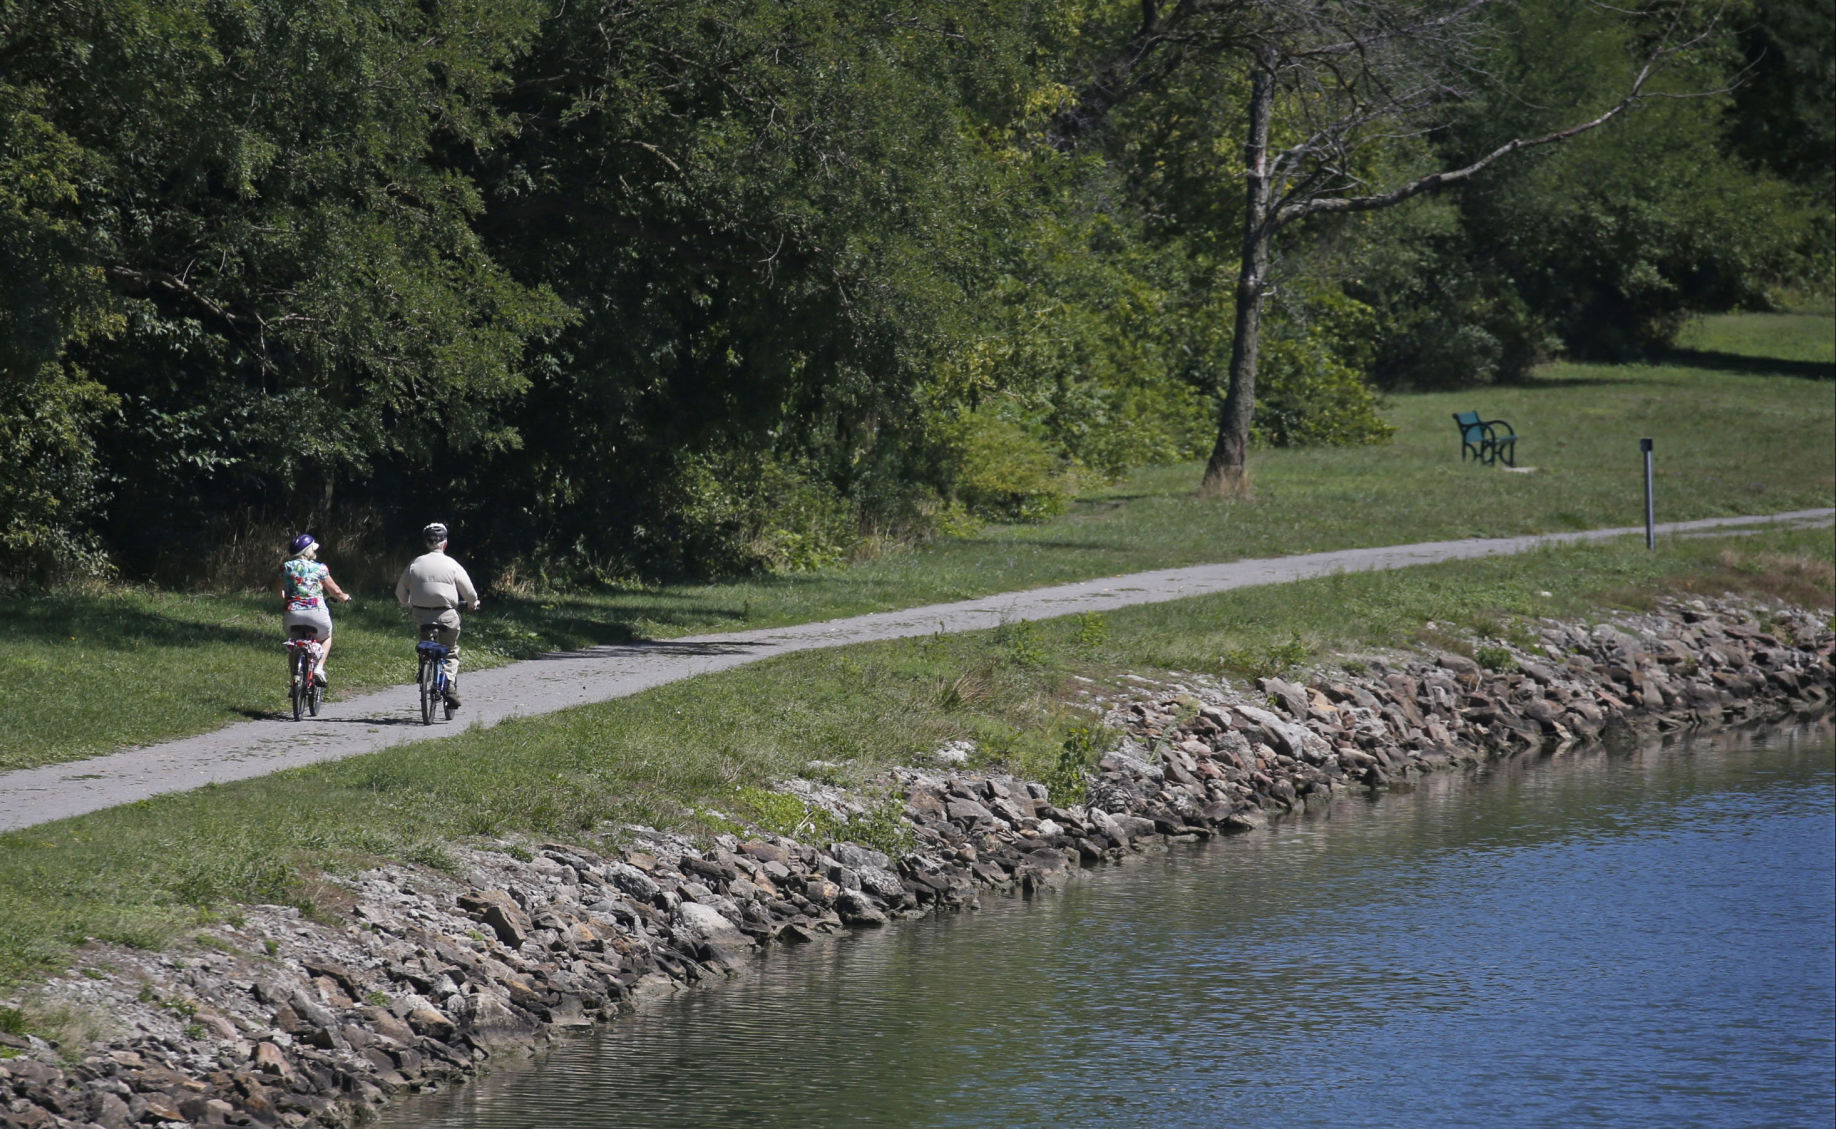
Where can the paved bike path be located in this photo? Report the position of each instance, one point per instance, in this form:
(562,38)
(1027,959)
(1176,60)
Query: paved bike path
(560,681)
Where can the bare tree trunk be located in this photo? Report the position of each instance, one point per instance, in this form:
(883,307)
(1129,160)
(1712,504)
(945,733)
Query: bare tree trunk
(1227,471)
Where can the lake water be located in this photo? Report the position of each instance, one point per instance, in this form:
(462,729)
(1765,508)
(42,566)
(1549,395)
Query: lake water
(1635,939)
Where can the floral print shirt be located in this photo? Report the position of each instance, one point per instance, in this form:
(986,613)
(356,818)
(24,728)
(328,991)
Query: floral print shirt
(304,582)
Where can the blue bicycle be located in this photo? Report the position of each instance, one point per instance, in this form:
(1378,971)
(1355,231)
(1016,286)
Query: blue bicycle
(432,676)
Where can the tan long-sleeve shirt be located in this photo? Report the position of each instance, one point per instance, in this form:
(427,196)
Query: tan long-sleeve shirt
(435,580)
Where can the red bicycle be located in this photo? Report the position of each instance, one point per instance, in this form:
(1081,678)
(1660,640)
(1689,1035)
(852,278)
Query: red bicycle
(306,691)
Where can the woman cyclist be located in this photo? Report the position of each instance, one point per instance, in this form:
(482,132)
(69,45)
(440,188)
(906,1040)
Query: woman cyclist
(303,585)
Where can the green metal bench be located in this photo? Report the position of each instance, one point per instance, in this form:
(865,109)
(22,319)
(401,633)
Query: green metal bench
(1481,439)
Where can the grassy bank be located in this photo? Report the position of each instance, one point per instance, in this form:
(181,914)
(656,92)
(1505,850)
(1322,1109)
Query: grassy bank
(1737,430)
(148,872)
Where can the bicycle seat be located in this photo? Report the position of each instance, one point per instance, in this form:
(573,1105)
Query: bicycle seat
(300,631)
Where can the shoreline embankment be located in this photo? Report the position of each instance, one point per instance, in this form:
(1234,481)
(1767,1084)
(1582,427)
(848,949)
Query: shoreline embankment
(424,977)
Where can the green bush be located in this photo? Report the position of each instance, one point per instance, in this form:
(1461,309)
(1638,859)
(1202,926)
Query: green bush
(49,480)
(1069,780)
(1271,661)
(881,827)
(1310,389)
(1092,632)
(1495,658)
(1024,646)
(1001,472)
(750,513)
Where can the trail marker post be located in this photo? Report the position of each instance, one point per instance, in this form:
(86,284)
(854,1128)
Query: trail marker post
(1644,445)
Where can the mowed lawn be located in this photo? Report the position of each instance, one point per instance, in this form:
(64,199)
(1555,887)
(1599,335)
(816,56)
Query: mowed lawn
(1743,421)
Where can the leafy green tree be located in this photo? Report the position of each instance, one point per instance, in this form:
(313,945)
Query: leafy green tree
(1783,117)
(1600,247)
(1326,87)
(697,286)
(1784,109)
(794,234)
(296,292)
(54,294)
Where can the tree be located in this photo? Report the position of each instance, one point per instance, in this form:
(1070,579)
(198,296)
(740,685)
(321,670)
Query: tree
(294,293)
(48,408)
(1332,86)
(803,242)
(697,286)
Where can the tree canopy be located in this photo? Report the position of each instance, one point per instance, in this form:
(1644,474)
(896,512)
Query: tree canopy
(627,289)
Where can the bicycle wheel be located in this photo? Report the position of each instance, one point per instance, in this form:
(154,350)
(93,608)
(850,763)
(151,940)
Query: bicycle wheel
(315,697)
(429,690)
(301,680)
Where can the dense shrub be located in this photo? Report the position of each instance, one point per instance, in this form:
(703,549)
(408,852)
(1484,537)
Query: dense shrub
(739,513)
(49,481)
(1311,389)
(1001,472)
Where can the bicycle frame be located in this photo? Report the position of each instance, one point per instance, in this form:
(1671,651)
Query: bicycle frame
(434,653)
(431,678)
(303,655)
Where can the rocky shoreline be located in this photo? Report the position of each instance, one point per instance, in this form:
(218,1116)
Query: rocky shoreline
(277,1020)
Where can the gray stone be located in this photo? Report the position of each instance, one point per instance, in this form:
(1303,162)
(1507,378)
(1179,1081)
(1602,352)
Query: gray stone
(881,883)
(1459,664)
(1292,697)
(1537,671)
(858,857)
(856,908)
(635,882)
(1286,737)
(1245,819)
(432,1023)
(763,852)
(498,910)
(966,811)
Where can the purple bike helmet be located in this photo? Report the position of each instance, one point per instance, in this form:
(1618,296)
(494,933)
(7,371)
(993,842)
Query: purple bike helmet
(301,543)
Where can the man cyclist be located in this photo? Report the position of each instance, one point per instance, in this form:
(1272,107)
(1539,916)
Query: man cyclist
(435,586)
(303,584)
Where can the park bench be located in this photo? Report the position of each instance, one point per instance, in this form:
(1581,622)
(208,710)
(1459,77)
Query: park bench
(1482,440)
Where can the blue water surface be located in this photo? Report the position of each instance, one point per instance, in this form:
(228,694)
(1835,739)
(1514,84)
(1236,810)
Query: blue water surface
(1631,939)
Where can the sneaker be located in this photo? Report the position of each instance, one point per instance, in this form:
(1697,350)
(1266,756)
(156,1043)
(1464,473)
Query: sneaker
(319,677)
(452,699)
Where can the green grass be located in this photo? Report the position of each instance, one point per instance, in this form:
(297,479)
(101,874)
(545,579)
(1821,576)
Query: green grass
(154,871)
(1732,436)
(1801,336)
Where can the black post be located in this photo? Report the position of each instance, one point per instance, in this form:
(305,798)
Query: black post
(1650,511)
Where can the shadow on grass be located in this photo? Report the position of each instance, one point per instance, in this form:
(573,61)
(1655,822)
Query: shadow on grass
(1750,366)
(1111,501)
(1030,543)
(1546,382)
(1082,546)
(116,625)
